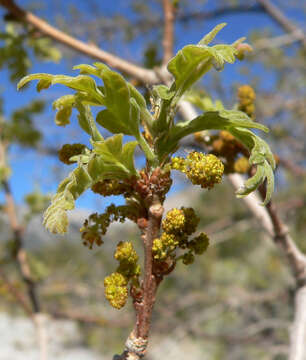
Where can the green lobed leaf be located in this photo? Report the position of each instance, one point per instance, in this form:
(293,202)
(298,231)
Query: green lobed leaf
(118,118)
(187,67)
(87,121)
(113,152)
(64,105)
(238,124)
(163,92)
(210,120)
(102,71)
(82,83)
(109,160)
(208,38)
(86,91)
(262,157)
(193,61)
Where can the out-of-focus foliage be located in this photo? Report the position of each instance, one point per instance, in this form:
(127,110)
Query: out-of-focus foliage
(15,43)
(20,129)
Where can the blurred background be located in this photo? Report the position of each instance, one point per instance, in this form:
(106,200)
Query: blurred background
(236,302)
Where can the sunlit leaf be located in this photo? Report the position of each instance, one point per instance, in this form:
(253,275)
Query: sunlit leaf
(238,124)
(208,38)
(112,151)
(82,83)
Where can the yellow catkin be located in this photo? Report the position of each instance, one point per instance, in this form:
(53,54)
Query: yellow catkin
(246,97)
(116,291)
(242,165)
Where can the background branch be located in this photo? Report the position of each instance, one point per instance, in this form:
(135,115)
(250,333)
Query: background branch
(282,20)
(168,39)
(146,76)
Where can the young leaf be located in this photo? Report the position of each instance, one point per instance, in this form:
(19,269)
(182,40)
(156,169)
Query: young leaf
(103,72)
(262,157)
(210,120)
(109,160)
(188,66)
(81,83)
(87,121)
(208,38)
(238,124)
(118,118)
(64,105)
(193,61)
(112,152)
(87,92)
(163,92)
(55,217)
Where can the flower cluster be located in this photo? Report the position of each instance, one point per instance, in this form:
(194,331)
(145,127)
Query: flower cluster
(225,146)
(201,169)
(180,222)
(69,150)
(246,98)
(234,155)
(95,227)
(242,165)
(177,226)
(116,291)
(127,257)
(112,187)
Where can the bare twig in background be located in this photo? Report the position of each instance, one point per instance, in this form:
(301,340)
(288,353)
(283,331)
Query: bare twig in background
(168,38)
(298,331)
(282,238)
(147,76)
(20,256)
(40,321)
(289,165)
(17,295)
(90,320)
(270,221)
(222,11)
(278,41)
(19,251)
(282,20)
(296,259)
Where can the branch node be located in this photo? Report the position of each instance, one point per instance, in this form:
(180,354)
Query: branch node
(136,345)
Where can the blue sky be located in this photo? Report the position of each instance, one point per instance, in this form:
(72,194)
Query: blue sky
(30,169)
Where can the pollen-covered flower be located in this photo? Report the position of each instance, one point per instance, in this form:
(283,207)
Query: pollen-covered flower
(164,245)
(174,222)
(246,98)
(116,291)
(242,165)
(204,170)
(180,221)
(128,258)
(178,163)
(125,252)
